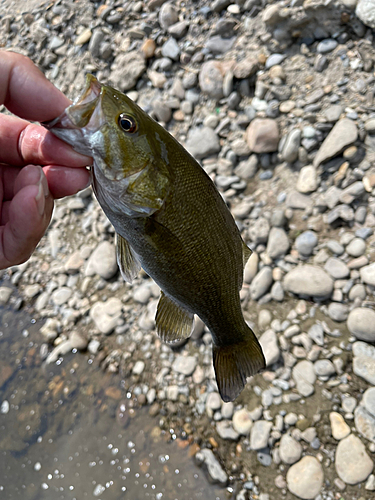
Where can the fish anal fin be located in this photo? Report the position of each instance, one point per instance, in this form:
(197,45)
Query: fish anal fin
(173,323)
(127,260)
(246,253)
(234,363)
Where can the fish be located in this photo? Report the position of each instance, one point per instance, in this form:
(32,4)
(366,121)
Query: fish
(169,219)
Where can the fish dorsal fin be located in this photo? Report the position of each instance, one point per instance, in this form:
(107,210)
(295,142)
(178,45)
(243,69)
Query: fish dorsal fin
(127,260)
(246,253)
(173,323)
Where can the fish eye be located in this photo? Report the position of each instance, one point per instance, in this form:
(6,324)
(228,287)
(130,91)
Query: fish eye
(127,123)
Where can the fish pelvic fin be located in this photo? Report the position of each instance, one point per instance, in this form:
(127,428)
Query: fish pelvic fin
(234,363)
(173,323)
(246,253)
(127,260)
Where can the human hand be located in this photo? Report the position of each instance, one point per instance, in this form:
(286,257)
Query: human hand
(27,190)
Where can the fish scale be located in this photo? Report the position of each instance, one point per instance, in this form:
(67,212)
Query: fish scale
(171,220)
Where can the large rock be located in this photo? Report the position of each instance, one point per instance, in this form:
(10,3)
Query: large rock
(211,78)
(365,11)
(342,135)
(262,135)
(353,465)
(305,478)
(202,142)
(308,281)
(103,261)
(361,323)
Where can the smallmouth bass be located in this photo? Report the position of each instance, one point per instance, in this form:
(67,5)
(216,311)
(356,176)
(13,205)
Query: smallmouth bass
(169,219)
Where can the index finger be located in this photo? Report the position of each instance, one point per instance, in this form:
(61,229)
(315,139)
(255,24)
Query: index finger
(26,92)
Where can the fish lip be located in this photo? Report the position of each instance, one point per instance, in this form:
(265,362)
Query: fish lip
(85,103)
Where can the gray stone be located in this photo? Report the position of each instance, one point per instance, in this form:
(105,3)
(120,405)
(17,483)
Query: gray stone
(168,15)
(298,200)
(365,11)
(305,478)
(185,365)
(364,365)
(369,400)
(242,422)
(324,368)
(277,291)
(128,67)
(353,465)
(61,295)
(247,168)
(326,46)
(365,423)
(274,59)
(261,283)
(270,347)
(215,472)
(358,291)
(95,41)
(306,242)
(102,261)
(106,314)
(259,434)
(368,274)
(342,135)
(211,77)
(262,135)
(335,247)
(213,401)
(304,377)
(259,231)
(336,268)
(308,280)
(251,268)
(307,179)
(333,112)
(290,450)
(219,45)
(278,243)
(291,146)
(226,431)
(338,312)
(361,323)
(138,367)
(171,49)
(370,483)
(316,333)
(352,192)
(202,142)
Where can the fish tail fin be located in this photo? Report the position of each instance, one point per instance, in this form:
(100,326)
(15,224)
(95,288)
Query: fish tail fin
(234,363)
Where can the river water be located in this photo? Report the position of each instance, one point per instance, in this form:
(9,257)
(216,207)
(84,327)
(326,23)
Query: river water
(67,432)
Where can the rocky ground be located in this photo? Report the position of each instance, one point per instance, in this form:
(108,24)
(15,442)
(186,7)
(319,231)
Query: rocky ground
(276,99)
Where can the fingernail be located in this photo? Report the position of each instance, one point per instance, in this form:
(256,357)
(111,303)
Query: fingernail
(40,198)
(44,183)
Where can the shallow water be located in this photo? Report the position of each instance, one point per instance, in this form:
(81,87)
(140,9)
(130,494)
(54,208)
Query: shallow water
(60,437)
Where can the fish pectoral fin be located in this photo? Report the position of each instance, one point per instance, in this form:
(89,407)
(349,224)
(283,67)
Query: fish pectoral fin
(173,323)
(127,260)
(234,363)
(246,253)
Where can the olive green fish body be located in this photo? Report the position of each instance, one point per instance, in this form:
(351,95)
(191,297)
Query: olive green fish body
(171,220)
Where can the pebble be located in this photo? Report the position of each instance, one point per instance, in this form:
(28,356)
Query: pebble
(216,473)
(127,69)
(365,11)
(262,135)
(259,434)
(5,293)
(305,478)
(278,243)
(61,296)
(308,280)
(185,365)
(211,78)
(316,333)
(369,400)
(364,361)
(361,323)
(338,312)
(290,450)
(368,274)
(270,347)
(343,134)
(102,261)
(261,283)
(365,423)
(226,431)
(306,242)
(326,46)
(307,179)
(336,268)
(106,315)
(213,401)
(202,142)
(333,112)
(171,49)
(251,268)
(291,146)
(356,247)
(304,377)
(242,422)
(324,368)
(339,427)
(353,465)
(138,367)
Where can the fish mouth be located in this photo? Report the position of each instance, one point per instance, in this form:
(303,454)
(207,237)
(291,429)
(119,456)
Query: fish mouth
(81,119)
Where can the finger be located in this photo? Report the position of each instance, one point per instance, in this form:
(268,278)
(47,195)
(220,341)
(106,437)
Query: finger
(29,215)
(65,181)
(8,177)
(22,142)
(26,92)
